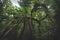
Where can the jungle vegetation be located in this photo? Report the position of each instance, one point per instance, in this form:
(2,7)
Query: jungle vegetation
(33,20)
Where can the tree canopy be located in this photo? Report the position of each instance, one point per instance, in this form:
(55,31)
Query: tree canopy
(33,20)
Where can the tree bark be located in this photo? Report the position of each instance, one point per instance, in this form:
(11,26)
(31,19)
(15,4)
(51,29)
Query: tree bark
(57,17)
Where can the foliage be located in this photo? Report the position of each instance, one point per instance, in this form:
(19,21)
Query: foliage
(39,21)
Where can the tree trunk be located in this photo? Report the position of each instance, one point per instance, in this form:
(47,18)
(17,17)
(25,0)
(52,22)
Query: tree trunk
(57,17)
